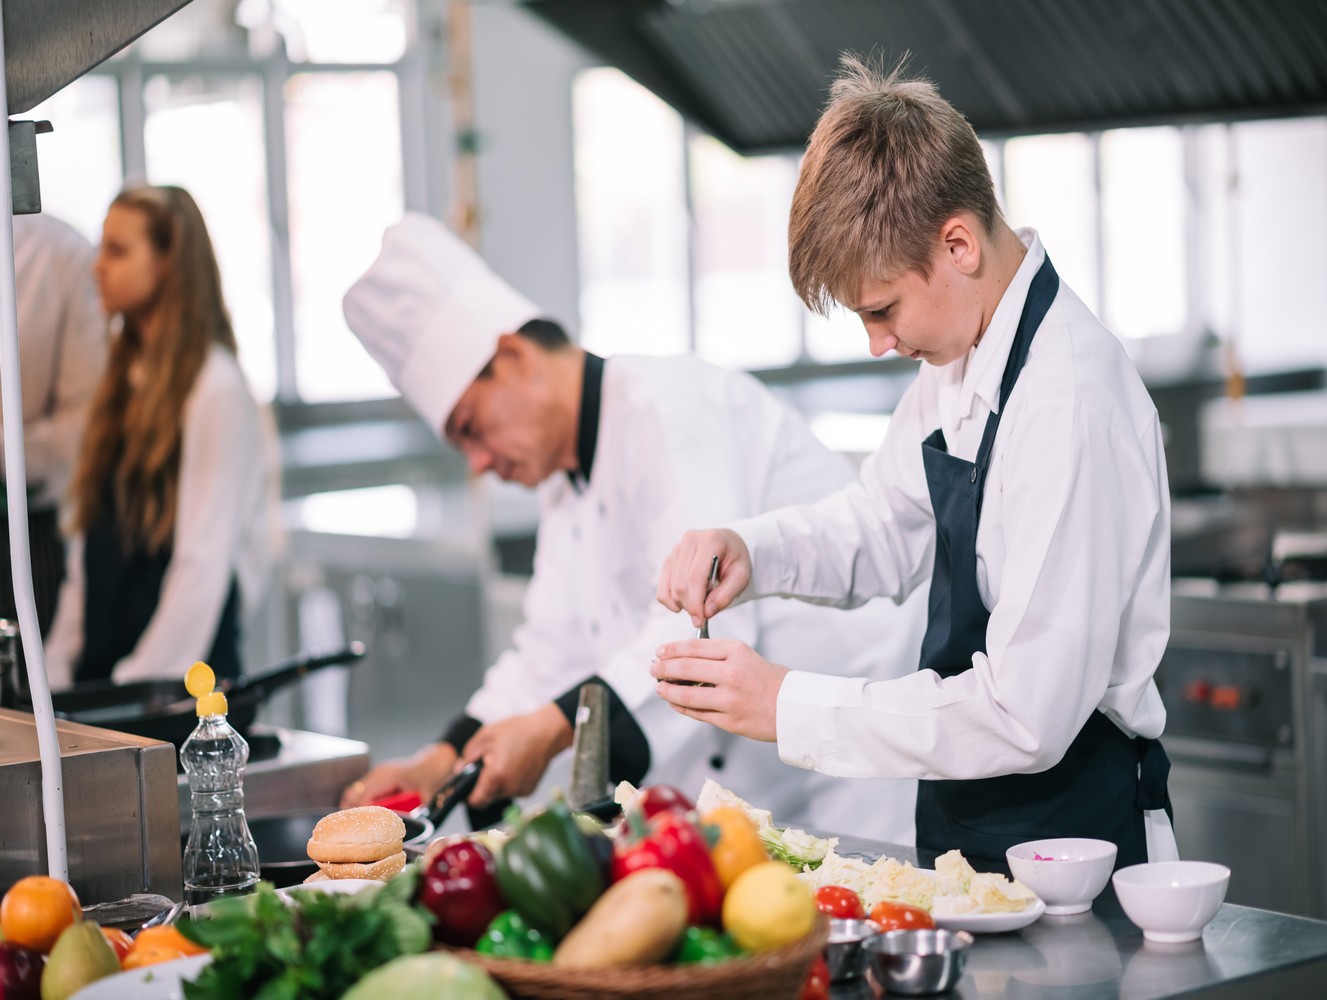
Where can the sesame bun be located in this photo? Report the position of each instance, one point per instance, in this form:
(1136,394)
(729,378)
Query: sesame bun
(364,834)
(318,876)
(379,870)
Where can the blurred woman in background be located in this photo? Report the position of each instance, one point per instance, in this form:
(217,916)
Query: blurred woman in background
(171,493)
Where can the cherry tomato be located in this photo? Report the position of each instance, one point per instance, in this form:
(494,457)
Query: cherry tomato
(898,916)
(816,986)
(840,901)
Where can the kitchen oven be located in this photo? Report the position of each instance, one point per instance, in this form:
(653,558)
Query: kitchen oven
(1244,681)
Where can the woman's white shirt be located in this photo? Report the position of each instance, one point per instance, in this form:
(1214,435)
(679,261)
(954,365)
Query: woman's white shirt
(224,529)
(1073,560)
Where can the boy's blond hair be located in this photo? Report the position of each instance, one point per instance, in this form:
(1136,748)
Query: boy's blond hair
(889,161)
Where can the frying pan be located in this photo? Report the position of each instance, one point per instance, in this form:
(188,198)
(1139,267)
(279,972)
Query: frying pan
(164,710)
(283,843)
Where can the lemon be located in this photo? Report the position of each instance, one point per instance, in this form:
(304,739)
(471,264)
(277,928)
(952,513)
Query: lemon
(200,679)
(768,907)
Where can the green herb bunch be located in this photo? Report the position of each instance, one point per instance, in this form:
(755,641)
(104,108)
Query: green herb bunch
(316,946)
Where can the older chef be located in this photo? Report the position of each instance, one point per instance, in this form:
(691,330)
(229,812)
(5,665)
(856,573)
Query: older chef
(625,453)
(1023,471)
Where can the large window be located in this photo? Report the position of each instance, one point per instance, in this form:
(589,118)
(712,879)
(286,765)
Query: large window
(1173,236)
(632,220)
(284,119)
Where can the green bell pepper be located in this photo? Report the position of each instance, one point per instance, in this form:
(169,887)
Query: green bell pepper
(705,945)
(547,871)
(509,936)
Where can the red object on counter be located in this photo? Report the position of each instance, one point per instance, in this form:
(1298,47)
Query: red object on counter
(840,902)
(402,802)
(900,917)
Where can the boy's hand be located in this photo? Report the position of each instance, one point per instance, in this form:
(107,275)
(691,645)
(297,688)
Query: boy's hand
(686,573)
(724,682)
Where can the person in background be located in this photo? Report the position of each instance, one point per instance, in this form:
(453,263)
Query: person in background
(171,497)
(1023,472)
(623,453)
(62,351)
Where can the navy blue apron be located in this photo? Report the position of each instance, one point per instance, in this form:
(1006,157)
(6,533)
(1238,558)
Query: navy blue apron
(122,590)
(1105,779)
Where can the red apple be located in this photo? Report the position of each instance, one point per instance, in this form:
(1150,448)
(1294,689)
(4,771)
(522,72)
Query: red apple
(20,972)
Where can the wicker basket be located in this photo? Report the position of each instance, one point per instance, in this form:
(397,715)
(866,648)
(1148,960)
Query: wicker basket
(775,975)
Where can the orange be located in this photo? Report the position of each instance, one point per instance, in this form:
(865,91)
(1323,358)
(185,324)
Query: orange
(151,955)
(167,937)
(119,941)
(36,910)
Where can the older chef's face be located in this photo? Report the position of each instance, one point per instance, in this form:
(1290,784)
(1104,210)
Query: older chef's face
(505,420)
(129,269)
(935,319)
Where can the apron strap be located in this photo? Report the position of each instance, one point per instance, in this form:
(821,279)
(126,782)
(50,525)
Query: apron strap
(1153,770)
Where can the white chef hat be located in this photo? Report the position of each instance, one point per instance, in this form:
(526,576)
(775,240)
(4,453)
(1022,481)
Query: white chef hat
(430,311)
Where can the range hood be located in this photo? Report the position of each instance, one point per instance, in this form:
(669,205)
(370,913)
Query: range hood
(48,44)
(755,73)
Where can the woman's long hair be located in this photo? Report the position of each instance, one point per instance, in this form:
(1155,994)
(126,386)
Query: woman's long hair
(132,439)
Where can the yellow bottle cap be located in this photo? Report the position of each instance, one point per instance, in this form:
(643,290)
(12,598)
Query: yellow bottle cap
(200,679)
(212,703)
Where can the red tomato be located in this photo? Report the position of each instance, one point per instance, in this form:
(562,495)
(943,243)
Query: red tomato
(840,901)
(816,986)
(898,916)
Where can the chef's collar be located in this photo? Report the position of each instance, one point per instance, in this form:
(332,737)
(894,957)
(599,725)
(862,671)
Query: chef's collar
(986,364)
(587,433)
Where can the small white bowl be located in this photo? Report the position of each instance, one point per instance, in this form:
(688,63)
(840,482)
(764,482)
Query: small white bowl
(1172,901)
(1067,873)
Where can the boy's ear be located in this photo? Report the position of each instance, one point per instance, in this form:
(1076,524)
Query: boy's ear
(962,248)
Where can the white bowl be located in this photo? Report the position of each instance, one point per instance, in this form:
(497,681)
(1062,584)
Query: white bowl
(1067,873)
(1172,900)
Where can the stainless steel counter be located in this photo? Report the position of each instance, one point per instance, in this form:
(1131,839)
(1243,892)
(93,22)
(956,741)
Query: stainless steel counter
(1244,952)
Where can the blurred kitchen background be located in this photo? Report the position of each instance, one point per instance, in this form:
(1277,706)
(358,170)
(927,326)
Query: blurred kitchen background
(1173,155)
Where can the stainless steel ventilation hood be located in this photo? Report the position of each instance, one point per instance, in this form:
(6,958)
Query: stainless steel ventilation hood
(48,44)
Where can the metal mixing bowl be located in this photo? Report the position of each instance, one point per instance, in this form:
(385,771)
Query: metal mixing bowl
(916,962)
(843,950)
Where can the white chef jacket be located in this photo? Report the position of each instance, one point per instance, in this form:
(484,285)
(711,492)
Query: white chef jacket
(1073,560)
(62,348)
(225,526)
(683,444)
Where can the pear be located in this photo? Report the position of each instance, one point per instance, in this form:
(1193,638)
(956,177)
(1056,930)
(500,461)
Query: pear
(81,956)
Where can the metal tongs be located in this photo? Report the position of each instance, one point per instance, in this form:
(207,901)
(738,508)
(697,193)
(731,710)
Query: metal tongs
(453,792)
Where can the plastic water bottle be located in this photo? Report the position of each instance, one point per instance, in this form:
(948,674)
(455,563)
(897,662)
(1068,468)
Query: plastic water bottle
(220,858)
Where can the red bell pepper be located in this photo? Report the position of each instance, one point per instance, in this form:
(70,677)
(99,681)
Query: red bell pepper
(671,841)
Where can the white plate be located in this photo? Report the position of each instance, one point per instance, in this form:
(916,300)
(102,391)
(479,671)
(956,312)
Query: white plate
(164,981)
(992,923)
(333,885)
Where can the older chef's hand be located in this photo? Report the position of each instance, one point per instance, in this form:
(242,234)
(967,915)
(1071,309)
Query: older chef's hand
(423,774)
(729,685)
(516,753)
(686,573)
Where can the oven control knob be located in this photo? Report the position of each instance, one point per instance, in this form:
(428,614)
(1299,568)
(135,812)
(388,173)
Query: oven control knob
(1227,697)
(1198,692)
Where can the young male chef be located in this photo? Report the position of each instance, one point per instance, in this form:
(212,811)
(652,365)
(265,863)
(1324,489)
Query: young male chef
(625,452)
(1023,472)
